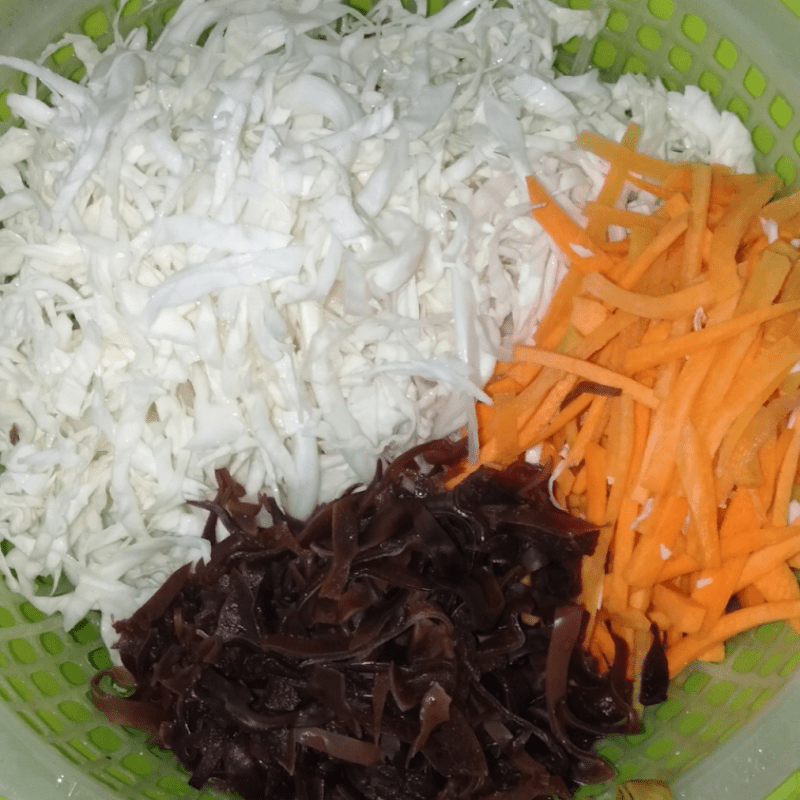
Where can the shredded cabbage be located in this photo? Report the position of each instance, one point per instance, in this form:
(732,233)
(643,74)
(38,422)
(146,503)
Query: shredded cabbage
(284,251)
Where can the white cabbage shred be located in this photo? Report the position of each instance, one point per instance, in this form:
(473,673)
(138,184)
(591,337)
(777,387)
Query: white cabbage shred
(283,250)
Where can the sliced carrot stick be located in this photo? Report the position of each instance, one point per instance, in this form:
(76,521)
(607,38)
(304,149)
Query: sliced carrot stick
(616,153)
(682,653)
(569,412)
(699,200)
(713,589)
(620,447)
(782,209)
(602,215)
(753,539)
(669,234)
(786,479)
(697,477)
(531,425)
(589,431)
(780,584)
(730,230)
(763,561)
(585,369)
(659,459)
(587,314)
(678,566)
(715,654)
(672,306)
(653,550)
(749,596)
(685,614)
(596,484)
(552,325)
(645,356)
(612,186)
(570,238)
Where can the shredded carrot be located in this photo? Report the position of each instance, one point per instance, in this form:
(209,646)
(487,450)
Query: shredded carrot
(660,386)
(689,648)
(685,614)
(645,356)
(785,479)
(588,370)
(697,477)
(677,305)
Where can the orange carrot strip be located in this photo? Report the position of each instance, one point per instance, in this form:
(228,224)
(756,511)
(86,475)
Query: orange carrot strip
(780,584)
(782,209)
(659,459)
(592,573)
(532,420)
(504,427)
(504,385)
(586,369)
(620,448)
(669,234)
(682,653)
(684,613)
(672,306)
(697,477)
(648,558)
(753,539)
(589,431)
(714,588)
(604,333)
(565,232)
(596,482)
(750,596)
(677,566)
(616,596)
(569,412)
(763,561)
(603,215)
(616,153)
(696,227)
(550,328)
(715,654)
(749,422)
(587,314)
(786,479)
(612,186)
(721,375)
(655,189)
(644,356)
(730,230)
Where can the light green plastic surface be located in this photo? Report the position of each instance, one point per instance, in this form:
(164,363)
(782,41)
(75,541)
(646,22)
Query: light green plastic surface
(742,717)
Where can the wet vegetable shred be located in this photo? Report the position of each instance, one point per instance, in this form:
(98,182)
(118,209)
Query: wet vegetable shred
(405,642)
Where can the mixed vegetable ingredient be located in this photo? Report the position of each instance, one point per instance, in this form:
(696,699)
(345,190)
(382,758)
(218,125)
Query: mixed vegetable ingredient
(641,457)
(280,241)
(276,247)
(681,441)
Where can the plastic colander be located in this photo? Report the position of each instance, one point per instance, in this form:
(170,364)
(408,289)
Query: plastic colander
(729,730)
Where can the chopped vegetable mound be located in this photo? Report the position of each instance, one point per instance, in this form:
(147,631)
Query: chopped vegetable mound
(405,642)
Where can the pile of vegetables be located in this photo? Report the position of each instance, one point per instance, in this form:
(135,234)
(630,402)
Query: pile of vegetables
(663,387)
(283,251)
(406,642)
(470,626)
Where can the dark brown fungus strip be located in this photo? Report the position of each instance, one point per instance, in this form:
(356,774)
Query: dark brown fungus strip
(376,651)
(590,387)
(655,671)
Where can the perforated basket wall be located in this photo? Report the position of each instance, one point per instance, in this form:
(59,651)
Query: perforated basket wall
(54,745)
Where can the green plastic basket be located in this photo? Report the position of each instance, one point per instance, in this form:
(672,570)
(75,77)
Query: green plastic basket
(728,730)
